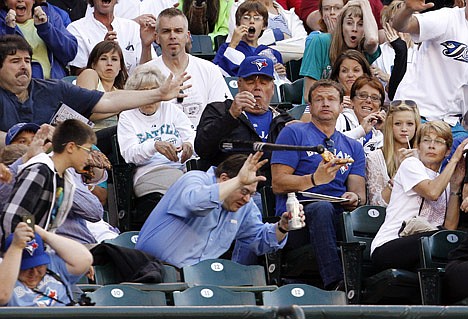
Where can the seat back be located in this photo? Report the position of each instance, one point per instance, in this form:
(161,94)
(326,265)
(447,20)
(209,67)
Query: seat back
(301,294)
(208,295)
(202,47)
(106,274)
(362,224)
(292,92)
(231,82)
(293,68)
(122,295)
(70,79)
(127,239)
(223,272)
(434,250)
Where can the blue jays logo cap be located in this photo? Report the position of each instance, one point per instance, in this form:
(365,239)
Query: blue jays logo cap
(33,254)
(18,128)
(256,65)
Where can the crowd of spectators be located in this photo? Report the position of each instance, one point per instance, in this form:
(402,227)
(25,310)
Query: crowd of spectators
(386,88)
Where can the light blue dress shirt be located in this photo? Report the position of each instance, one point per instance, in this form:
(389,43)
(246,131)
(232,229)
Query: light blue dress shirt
(190,225)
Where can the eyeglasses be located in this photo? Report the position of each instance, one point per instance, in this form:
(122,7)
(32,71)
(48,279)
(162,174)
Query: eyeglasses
(437,142)
(364,95)
(247,18)
(329,144)
(88,150)
(245,192)
(409,103)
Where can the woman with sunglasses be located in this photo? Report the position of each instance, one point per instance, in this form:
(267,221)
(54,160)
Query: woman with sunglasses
(400,128)
(420,189)
(365,120)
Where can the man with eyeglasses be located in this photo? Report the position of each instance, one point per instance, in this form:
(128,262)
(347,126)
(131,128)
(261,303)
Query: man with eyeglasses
(203,212)
(307,171)
(251,21)
(438,82)
(44,187)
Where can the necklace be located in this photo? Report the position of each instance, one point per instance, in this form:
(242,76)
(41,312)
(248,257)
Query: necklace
(146,114)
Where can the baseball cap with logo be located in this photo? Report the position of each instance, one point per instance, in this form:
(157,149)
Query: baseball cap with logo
(256,65)
(18,128)
(33,254)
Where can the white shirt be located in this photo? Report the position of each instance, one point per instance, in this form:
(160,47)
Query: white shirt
(208,86)
(405,202)
(441,71)
(89,32)
(137,133)
(130,9)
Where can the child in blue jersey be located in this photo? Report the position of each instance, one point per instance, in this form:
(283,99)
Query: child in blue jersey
(251,21)
(34,277)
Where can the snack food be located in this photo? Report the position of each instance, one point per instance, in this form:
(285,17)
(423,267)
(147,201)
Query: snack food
(328,156)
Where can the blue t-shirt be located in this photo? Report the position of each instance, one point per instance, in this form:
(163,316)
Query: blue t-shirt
(25,297)
(261,123)
(44,100)
(307,134)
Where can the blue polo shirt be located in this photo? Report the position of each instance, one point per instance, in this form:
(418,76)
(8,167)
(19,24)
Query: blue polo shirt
(45,97)
(307,134)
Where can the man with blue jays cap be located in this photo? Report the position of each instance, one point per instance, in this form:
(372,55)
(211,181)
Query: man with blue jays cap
(32,276)
(249,118)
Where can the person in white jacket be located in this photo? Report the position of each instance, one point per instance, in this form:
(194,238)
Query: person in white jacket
(158,138)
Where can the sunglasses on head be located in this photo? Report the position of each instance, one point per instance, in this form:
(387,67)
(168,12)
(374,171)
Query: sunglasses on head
(409,103)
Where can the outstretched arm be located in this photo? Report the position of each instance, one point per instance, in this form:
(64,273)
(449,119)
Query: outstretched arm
(405,21)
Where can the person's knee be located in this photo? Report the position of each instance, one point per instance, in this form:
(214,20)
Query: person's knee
(319,211)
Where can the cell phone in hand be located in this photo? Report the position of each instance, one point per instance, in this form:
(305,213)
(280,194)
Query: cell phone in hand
(29,220)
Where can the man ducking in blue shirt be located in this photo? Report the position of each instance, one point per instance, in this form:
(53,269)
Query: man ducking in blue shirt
(203,212)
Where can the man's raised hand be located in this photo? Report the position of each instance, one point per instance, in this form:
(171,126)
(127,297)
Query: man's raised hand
(248,173)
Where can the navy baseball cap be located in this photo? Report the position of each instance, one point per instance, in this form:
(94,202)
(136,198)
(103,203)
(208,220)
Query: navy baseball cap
(18,128)
(33,254)
(256,65)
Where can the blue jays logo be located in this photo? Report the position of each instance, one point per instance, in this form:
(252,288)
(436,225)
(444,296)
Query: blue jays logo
(456,50)
(48,299)
(31,246)
(260,63)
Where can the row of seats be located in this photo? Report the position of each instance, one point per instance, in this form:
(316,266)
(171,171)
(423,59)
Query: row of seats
(210,295)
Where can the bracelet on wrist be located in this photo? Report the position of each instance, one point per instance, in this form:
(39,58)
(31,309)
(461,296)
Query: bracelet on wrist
(282,230)
(313,180)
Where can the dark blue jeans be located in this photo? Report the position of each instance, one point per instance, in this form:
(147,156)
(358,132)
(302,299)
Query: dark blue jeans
(321,221)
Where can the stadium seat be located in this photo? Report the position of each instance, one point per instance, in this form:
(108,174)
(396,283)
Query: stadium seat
(123,295)
(228,274)
(208,295)
(301,294)
(127,239)
(202,47)
(293,68)
(363,283)
(433,255)
(70,79)
(292,92)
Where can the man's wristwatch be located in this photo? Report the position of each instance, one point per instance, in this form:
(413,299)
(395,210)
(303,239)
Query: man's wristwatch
(282,230)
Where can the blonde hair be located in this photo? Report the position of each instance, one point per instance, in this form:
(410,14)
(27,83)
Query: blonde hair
(388,148)
(440,128)
(338,44)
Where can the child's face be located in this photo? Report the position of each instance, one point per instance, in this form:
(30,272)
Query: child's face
(24,137)
(253,19)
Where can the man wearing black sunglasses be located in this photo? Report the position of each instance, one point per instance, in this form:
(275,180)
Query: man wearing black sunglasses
(306,171)
(438,81)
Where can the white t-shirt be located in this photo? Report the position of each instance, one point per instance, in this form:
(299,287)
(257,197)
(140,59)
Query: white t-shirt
(208,86)
(405,202)
(130,9)
(137,133)
(441,70)
(89,32)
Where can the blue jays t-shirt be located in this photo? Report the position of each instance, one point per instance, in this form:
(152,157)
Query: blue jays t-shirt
(261,123)
(49,286)
(307,134)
